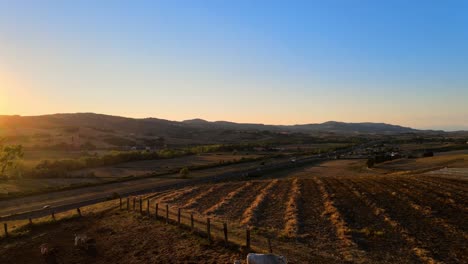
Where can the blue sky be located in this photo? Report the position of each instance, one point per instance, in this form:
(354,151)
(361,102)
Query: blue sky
(279,62)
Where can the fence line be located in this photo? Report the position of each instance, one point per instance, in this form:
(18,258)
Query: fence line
(213,229)
(162,188)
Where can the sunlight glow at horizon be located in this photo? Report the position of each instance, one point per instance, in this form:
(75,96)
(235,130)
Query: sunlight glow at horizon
(264,62)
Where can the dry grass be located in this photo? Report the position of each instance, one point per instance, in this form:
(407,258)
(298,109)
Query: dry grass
(194,201)
(293,206)
(250,215)
(228,199)
(174,196)
(121,237)
(350,251)
(21,227)
(421,165)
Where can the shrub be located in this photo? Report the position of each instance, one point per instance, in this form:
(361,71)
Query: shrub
(184,172)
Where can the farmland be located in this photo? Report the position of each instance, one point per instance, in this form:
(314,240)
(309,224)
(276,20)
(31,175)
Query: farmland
(332,211)
(106,174)
(138,168)
(370,219)
(106,223)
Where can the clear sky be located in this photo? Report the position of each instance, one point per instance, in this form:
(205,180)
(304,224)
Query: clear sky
(277,62)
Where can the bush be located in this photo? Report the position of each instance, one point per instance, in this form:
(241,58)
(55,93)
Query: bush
(184,172)
(428,154)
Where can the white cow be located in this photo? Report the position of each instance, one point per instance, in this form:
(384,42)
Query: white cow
(253,258)
(80,240)
(85,243)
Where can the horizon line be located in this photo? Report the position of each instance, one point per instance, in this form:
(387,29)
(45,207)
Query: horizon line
(464,129)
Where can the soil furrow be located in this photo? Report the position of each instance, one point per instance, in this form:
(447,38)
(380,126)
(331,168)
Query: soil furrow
(369,231)
(228,199)
(252,213)
(348,249)
(416,229)
(293,208)
(431,208)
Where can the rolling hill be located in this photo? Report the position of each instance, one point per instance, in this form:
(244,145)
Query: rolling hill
(107,130)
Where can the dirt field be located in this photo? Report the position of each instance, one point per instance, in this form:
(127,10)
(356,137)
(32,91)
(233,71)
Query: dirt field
(337,212)
(362,219)
(423,164)
(121,237)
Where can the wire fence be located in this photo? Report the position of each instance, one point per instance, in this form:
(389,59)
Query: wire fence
(215,230)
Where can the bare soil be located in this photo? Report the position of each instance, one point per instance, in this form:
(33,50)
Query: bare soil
(121,237)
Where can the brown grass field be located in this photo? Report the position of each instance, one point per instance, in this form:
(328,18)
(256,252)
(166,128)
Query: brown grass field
(135,169)
(138,168)
(421,165)
(337,212)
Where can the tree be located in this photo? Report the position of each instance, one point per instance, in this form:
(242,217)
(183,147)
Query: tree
(8,157)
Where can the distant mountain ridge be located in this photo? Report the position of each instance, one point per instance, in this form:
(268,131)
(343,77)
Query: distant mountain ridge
(145,125)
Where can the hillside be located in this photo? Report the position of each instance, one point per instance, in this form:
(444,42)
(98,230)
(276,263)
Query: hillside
(107,131)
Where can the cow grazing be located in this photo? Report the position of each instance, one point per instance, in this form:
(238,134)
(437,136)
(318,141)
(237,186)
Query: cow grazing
(80,240)
(253,258)
(86,243)
(48,253)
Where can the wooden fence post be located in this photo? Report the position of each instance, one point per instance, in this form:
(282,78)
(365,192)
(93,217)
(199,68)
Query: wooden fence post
(134,201)
(225,233)
(79,211)
(178,216)
(167,213)
(5,226)
(120,199)
(141,206)
(208,228)
(191,221)
(269,245)
(247,238)
(128,204)
(156,209)
(147,207)
(53,215)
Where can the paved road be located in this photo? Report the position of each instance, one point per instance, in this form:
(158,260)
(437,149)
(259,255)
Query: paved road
(55,199)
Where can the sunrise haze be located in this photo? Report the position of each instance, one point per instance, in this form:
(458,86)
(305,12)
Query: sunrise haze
(402,62)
